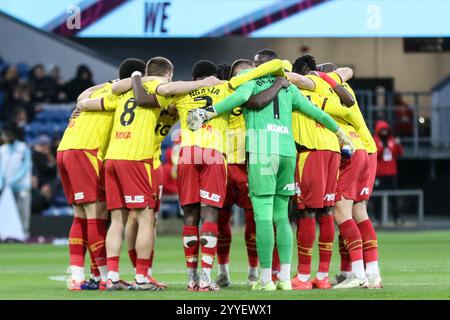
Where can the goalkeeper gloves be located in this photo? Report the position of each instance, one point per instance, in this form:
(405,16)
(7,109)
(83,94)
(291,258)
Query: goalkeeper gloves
(346,143)
(198,117)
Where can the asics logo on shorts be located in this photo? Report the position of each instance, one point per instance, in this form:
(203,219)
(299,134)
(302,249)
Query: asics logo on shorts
(79,196)
(289,187)
(329,197)
(212,197)
(134,199)
(364,191)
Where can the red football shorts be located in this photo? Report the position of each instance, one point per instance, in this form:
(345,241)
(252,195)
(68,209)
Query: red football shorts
(82,176)
(365,188)
(202,176)
(237,187)
(158,178)
(316,177)
(353,177)
(130,184)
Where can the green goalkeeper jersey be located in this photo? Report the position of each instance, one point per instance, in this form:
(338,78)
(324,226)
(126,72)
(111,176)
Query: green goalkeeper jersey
(269,130)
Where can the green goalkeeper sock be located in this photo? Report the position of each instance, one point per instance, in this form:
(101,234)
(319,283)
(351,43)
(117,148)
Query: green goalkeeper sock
(263,211)
(284,230)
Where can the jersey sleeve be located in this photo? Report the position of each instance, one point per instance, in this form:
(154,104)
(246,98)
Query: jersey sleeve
(164,102)
(274,67)
(110,102)
(320,86)
(300,103)
(238,98)
(151,87)
(335,77)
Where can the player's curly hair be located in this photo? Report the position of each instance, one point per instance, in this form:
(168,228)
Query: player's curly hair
(203,69)
(304,64)
(128,66)
(223,71)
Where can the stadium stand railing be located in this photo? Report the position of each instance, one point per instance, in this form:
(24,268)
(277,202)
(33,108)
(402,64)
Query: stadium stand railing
(386,194)
(429,136)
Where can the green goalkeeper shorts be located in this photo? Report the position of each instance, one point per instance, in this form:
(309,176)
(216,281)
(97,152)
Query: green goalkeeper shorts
(270,174)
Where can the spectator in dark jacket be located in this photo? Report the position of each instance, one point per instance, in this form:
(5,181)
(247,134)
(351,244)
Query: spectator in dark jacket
(389,150)
(44,176)
(54,76)
(82,81)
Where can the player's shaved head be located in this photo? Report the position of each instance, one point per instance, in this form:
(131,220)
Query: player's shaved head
(304,64)
(128,66)
(239,65)
(159,67)
(203,69)
(264,55)
(327,67)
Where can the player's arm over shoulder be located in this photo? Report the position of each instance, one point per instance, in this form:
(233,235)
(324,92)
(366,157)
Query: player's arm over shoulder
(300,81)
(344,74)
(264,98)
(144,93)
(180,87)
(238,98)
(91,104)
(87,93)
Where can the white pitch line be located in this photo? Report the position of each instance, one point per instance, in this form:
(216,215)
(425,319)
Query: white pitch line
(59,278)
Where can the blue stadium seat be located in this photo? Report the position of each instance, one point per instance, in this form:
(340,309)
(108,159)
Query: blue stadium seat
(23,69)
(58,211)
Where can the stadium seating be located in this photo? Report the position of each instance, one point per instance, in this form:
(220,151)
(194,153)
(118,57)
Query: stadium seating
(23,70)
(52,122)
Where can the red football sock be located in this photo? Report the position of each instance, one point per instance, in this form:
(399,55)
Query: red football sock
(77,240)
(352,239)
(326,238)
(94,268)
(191,245)
(151,258)
(306,234)
(132,254)
(96,229)
(250,238)
(370,242)
(346,263)
(224,237)
(142,266)
(209,243)
(113,264)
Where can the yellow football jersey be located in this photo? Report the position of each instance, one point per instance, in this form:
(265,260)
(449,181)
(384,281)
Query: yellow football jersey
(335,109)
(132,136)
(92,129)
(213,134)
(356,119)
(311,134)
(164,123)
(236,137)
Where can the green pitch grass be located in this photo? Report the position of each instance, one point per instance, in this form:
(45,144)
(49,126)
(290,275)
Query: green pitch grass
(413,266)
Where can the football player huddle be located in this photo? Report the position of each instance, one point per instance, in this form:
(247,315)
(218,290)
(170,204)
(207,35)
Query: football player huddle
(264,134)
